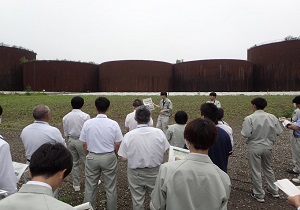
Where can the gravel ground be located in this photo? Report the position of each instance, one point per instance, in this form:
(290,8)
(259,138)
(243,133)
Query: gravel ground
(238,171)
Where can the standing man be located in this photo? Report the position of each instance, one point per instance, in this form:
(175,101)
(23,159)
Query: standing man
(194,182)
(144,149)
(166,107)
(8,180)
(261,130)
(72,123)
(101,139)
(212,97)
(38,133)
(295,143)
(219,152)
(175,132)
(49,165)
(130,122)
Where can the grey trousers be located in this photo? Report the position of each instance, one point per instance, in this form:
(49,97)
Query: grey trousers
(162,123)
(260,160)
(295,148)
(95,165)
(76,148)
(140,181)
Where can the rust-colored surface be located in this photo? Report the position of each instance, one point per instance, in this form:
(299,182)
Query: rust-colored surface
(11,76)
(213,75)
(61,76)
(277,66)
(135,75)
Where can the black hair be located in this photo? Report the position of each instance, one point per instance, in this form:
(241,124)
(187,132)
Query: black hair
(213,94)
(163,93)
(49,159)
(220,113)
(209,110)
(77,102)
(260,103)
(296,100)
(201,133)
(181,117)
(102,104)
(137,103)
(1,110)
(142,115)
(40,112)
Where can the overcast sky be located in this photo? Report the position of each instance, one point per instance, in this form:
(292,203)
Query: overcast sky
(161,30)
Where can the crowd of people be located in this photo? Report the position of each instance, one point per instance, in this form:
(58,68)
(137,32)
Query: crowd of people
(199,181)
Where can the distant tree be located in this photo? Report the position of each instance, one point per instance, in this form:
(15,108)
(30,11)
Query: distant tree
(289,38)
(179,61)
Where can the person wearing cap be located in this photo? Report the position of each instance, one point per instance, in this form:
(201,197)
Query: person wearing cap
(212,97)
(166,107)
(295,140)
(7,175)
(130,122)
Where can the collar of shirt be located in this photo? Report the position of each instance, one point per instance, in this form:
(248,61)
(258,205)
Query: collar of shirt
(41,122)
(39,183)
(101,116)
(142,125)
(76,110)
(194,153)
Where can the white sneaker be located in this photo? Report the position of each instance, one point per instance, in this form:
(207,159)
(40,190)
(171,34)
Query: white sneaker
(76,188)
(296,180)
(99,182)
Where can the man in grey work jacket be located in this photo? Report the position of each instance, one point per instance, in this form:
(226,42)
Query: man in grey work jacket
(166,107)
(261,130)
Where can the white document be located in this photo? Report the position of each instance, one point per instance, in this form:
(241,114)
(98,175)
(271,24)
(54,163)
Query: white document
(285,123)
(148,102)
(84,206)
(177,152)
(3,192)
(287,187)
(19,169)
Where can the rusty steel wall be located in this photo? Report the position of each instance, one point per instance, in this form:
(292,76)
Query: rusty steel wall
(277,66)
(135,76)
(213,75)
(61,76)
(11,75)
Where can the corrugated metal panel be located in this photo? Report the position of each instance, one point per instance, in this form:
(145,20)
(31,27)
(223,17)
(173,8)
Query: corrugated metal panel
(213,75)
(277,66)
(135,75)
(11,76)
(61,76)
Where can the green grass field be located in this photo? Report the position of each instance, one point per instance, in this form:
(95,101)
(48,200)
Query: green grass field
(18,107)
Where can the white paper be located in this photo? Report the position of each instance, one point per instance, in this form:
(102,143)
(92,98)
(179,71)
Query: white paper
(148,102)
(285,123)
(177,152)
(287,187)
(3,192)
(19,169)
(84,206)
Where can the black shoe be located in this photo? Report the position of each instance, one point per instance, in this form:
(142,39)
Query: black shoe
(291,171)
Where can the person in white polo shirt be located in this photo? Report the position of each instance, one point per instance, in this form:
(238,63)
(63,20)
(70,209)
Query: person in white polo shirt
(72,123)
(39,133)
(144,149)
(101,139)
(8,180)
(130,122)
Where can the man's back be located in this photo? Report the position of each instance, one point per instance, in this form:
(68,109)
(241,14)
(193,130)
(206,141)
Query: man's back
(38,133)
(261,129)
(33,197)
(220,151)
(73,122)
(131,123)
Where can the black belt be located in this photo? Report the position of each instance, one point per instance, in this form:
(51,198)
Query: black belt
(28,160)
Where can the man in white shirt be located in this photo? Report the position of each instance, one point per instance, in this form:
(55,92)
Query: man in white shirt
(101,139)
(261,130)
(72,123)
(144,149)
(49,165)
(222,124)
(130,122)
(212,97)
(8,180)
(39,133)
